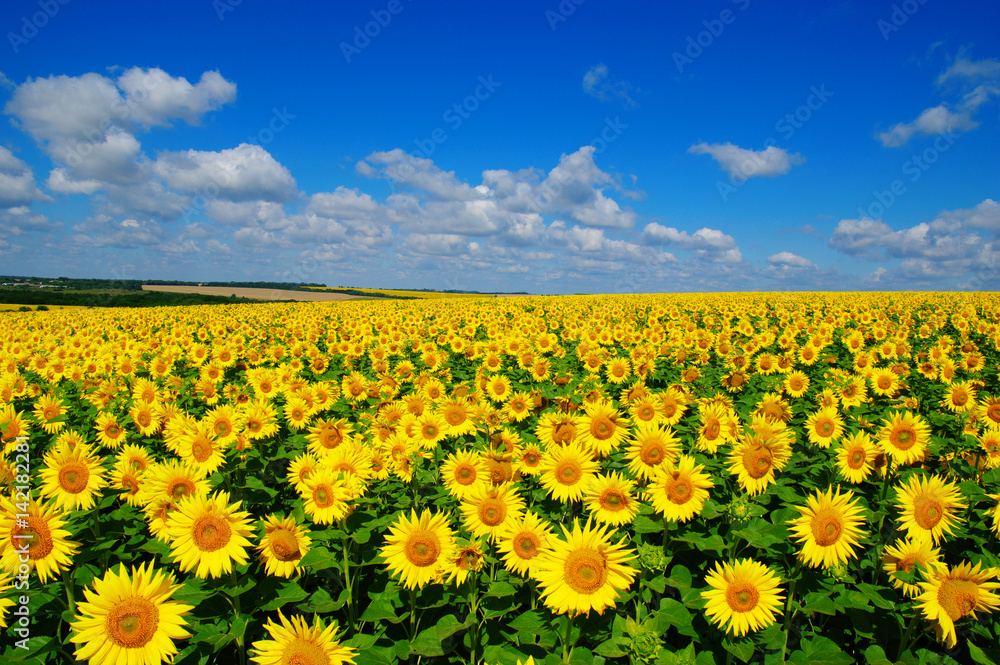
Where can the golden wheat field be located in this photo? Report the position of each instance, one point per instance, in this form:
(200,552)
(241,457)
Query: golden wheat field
(654,479)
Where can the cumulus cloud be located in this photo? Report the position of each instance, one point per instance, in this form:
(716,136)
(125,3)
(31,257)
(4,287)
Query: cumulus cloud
(789,259)
(244,173)
(707,244)
(17,182)
(598,83)
(155,98)
(742,163)
(936,120)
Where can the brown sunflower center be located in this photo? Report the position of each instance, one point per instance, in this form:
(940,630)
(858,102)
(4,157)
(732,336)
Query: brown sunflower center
(903,438)
(959,399)
(884,382)
(824,428)
(602,428)
(492,512)
(531,459)
(323,496)
(211,533)
(827,525)
(73,477)
(613,500)
(645,412)
(422,548)
(678,489)
(569,472)
(201,449)
(284,545)
(993,412)
(742,596)
(133,622)
(585,570)
(856,459)
(712,430)
(455,416)
(36,536)
(465,474)
(757,461)
(563,433)
(652,453)
(223,428)
(180,488)
(958,597)
(927,512)
(526,545)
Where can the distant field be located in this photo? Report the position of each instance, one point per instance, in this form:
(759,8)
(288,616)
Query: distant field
(4,307)
(401,293)
(257,294)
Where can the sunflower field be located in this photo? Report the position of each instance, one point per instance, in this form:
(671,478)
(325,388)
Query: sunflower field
(654,479)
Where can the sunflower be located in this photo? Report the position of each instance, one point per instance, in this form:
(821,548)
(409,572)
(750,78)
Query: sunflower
(989,443)
(37,540)
(566,471)
(468,558)
(326,435)
(960,397)
(618,370)
(904,437)
(825,426)
(5,583)
(673,405)
(715,427)
(756,459)
(109,433)
(487,510)
(745,596)
(498,388)
(127,481)
(354,460)
(989,410)
(71,477)
(49,413)
(904,556)
(796,384)
(603,428)
(259,420)
(855,457)
(611,499)
(854,392)
(458,415)
(651,446)
(207,534)
(430,429)
(463,471)
(829,528)
(519,406)
(130,619)
(327,495)
(145,418)
(282,545)
(884,382)
(199,447)
(584,571)
(679,489)
(929,507)
(955,593)
(417,548)
(523,540)
(530,460)
(295,641)
(558,429)
(774,406)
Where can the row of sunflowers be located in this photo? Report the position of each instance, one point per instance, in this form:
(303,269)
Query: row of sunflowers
(652,479)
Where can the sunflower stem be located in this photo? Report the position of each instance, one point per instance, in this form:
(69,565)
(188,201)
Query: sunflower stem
(351,609)
(68,584)
(473,599)
(793,579)
(239,613)
(907,641)
(567,646)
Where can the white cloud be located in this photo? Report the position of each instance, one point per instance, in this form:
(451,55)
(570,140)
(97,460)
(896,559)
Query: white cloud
(707,244)
(789,259)
(965,70)
(936,120)
(598,83)
(741,163)
(17,182)
(154,98)
(244,173)
(61,181)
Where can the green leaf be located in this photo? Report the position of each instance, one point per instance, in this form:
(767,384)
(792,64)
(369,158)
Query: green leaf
(192,591)
(290,592)
(881,598)
(643,524)
(430,641)
(609,648)
(319,558)
(322,602)
(980,655)
(500,590)
(762,534)
(529,622)
(874,655)
(380,610)
(820,651)
(819,602)
(581,656)
(742,649)
(673,613)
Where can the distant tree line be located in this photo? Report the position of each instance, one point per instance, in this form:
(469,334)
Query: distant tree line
(21,296)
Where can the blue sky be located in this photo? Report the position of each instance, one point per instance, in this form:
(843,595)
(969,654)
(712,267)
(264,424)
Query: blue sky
(546,147)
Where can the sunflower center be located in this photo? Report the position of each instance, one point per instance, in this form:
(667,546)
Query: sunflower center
(492,512)
(585,570)
(133,622)
(602,428)
(73,477)
(678,490)
(959,399)
(757,461)
(742,596)
(824,428)
(884,382)
(958,597)
(712,430)
(856,459)
(304,652)
(454,416)
(201,450)
(211,533)
(284,545)
(180,488)
(927,512)
(569,473)
(423,548)
(906,563)
(827,526)
(645,412)
(429,431)
(531,459)
(652,453)
(613,500)
(903,439)
(465,474)
(993,412)
(323,497)
(526,545)
(112,431)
